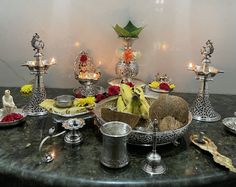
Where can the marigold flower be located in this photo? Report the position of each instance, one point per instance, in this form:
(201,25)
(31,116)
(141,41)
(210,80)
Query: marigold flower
(26,89)
(128,55)
(154,84)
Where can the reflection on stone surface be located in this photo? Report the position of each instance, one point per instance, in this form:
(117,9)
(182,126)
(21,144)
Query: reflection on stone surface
(78,165)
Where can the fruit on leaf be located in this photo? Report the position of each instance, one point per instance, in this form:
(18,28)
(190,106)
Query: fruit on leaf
(132,101)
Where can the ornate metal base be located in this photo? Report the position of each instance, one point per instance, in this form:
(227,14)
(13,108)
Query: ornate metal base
(33,108)
(73,138)
(202,109)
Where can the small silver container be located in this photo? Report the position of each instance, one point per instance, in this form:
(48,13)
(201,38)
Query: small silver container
(64,101)
(114,152)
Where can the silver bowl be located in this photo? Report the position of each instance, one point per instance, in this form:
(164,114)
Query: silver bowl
(230,124)
(142,133)
(64,101)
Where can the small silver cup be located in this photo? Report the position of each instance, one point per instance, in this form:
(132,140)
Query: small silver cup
(114,152)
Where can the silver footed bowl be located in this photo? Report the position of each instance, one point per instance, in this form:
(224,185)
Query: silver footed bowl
(142,133)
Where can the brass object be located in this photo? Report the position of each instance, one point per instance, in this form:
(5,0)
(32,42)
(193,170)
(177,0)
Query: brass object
(207,144)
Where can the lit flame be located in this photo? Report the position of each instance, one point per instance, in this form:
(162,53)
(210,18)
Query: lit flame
(94,76)
(190,65)
(53,60)
(77,44)
(53,154)
(99,63)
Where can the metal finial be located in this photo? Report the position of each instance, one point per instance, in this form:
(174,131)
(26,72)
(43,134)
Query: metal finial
(36,43)
(208,49)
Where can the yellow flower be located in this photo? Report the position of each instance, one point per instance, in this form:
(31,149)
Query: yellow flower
(79,102)
(154,84)
(172,86)
(26,89)
(90,100)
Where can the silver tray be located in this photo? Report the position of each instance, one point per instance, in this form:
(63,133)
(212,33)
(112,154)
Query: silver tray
(12,123)
(142,134)
(230,124)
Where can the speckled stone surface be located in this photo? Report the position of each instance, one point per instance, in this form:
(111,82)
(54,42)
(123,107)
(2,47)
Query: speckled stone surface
(79,165)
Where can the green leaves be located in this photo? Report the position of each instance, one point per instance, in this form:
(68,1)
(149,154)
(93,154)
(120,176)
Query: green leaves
(130,30)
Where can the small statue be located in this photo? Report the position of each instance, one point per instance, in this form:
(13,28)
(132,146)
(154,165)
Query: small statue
(8,103)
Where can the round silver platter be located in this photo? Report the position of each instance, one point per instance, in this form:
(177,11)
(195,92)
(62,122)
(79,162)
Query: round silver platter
(142,134)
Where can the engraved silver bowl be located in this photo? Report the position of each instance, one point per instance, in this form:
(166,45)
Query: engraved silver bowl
(142,133)
(64,101)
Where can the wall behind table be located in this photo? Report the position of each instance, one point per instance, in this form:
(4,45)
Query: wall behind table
(173,35)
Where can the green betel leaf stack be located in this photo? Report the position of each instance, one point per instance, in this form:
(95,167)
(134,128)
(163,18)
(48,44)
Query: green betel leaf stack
(130,30)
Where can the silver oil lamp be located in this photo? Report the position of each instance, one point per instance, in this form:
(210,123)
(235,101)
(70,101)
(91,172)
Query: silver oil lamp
(38,68)
(202,109)
(71,134)
(87,75)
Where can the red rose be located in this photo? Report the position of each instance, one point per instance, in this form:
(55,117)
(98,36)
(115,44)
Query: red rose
(83,58)
(130,84)
(164,86)
(100,97)
(113,90)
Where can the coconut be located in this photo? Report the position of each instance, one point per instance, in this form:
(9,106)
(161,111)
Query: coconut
(167,105)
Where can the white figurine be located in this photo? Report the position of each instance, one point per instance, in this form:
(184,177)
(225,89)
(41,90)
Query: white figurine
(8,103)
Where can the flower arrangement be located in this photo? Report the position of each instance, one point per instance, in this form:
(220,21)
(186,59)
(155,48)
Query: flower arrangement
(162,83)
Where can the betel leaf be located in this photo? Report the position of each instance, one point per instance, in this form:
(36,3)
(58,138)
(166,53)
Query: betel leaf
(136,32)
(120,31)
(130,27)
(130,30)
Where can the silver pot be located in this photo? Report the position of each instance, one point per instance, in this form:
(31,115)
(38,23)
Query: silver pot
(114,152)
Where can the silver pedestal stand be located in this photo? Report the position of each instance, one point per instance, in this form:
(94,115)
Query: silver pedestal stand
(202,109)
(153,165)
(38,68)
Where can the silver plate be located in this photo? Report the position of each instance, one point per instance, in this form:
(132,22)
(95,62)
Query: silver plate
(230,124)
(71,115)
(159,90)
(12,123)
(142,135)
(117,82)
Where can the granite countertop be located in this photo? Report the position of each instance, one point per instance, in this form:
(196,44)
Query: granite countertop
(20,163)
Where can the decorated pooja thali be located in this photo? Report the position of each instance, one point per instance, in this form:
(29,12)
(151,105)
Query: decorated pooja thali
(78,107)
